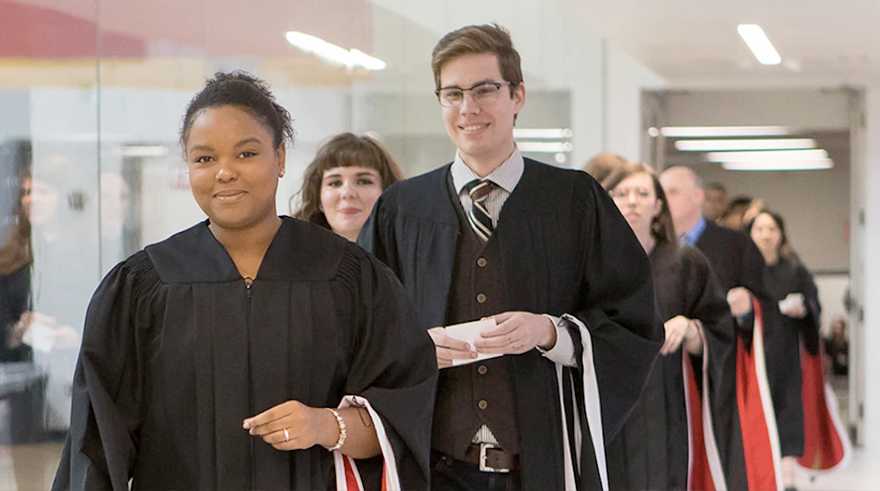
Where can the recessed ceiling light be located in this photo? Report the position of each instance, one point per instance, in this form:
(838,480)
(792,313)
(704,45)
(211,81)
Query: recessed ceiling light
(719,131)
(351,58)
(779,166)
(745,144)
(769,156)
(759,43)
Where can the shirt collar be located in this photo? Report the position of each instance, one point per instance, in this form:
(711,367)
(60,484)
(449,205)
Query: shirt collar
(505,176)
(693,235)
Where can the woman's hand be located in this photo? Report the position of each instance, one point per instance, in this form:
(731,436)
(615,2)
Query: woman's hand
(292,425)
(793,306)
(680,330)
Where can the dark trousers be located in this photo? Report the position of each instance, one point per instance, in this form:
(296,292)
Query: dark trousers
(448,474)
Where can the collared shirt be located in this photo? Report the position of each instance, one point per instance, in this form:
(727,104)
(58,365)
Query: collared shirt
(693,235)
(505,177)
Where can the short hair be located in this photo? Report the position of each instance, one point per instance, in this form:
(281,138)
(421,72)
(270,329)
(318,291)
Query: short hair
(698,181)
(603,165)
(241,89)
(717,186)
(479,39)
(662,227)
(343,150)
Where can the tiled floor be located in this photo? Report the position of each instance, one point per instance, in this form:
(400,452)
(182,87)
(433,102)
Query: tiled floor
(32,467)
(859,475)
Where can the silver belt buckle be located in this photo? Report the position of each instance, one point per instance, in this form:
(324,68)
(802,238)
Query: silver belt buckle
(483,466)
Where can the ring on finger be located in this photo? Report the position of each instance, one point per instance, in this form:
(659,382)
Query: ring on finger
(286,435)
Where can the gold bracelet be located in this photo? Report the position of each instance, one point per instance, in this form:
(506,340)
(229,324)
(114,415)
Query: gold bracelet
(343,430)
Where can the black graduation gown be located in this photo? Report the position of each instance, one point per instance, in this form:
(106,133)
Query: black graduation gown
(177,352)
(652,452)
(782,346)
(565,248)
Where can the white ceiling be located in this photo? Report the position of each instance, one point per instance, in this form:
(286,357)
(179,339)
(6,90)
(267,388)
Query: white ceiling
(692,42)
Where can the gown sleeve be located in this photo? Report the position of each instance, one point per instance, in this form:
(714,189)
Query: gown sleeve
(810,323)
(707,303)
(619,309)
(377,235)
(394,368)
(101,447)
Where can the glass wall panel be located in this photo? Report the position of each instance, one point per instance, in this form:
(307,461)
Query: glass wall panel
(92,96)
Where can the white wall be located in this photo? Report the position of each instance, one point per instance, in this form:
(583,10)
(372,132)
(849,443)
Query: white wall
(871,293)
(626,77)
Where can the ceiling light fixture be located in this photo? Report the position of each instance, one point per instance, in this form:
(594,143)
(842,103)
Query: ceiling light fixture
(779,166)
(351,58)
(745,144)
(769,156)
(544,147)
(543,133)
(721,131)
(759,43)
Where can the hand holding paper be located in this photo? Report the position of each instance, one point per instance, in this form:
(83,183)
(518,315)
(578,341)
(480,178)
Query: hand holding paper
(469,333)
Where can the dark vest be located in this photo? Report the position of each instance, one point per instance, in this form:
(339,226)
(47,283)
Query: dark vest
(480,393)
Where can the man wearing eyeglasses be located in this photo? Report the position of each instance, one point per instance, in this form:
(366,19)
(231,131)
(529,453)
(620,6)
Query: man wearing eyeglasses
(544,255)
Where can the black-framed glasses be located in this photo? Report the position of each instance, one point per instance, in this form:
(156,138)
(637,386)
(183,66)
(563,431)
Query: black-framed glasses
(483,92)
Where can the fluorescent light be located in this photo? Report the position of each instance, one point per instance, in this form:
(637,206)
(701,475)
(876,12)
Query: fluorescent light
(744,144)
(543,133)
(779,166)
(710,131)
(144,151)
(348,57)
(759,43)
(544,147)
(769,156)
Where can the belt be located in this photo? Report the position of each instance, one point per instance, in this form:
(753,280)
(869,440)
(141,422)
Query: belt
(491,458)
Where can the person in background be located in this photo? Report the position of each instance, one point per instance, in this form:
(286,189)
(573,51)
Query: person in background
(733,216)
(250,351)
(603,164)
(716,201)
(653,449)
(740,268)
(791,285)
(344,180)
(16,258)
(837,347)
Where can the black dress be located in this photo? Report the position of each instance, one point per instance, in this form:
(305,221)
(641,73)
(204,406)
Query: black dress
(782,347)
(177,351)
(652,452)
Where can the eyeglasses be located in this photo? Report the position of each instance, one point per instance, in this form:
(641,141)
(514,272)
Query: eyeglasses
(483,93)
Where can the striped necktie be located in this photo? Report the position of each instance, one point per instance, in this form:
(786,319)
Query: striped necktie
(478,215)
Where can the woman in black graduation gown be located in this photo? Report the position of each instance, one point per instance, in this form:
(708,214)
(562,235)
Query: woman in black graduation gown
(216,359)
(652,452)
(790,283)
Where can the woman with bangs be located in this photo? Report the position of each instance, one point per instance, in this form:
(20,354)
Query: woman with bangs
(343,182)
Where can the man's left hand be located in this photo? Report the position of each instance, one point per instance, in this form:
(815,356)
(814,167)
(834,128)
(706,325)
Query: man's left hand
(516,333)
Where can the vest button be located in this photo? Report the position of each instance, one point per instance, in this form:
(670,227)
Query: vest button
(482,369)
(482,404)
(482,262)
(481,298)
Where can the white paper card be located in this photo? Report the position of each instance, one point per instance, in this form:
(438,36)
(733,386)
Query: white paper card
(469,332)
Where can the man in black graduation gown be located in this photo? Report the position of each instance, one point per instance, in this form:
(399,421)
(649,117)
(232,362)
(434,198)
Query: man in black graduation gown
(732,255)
(546,254)
(734,258)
